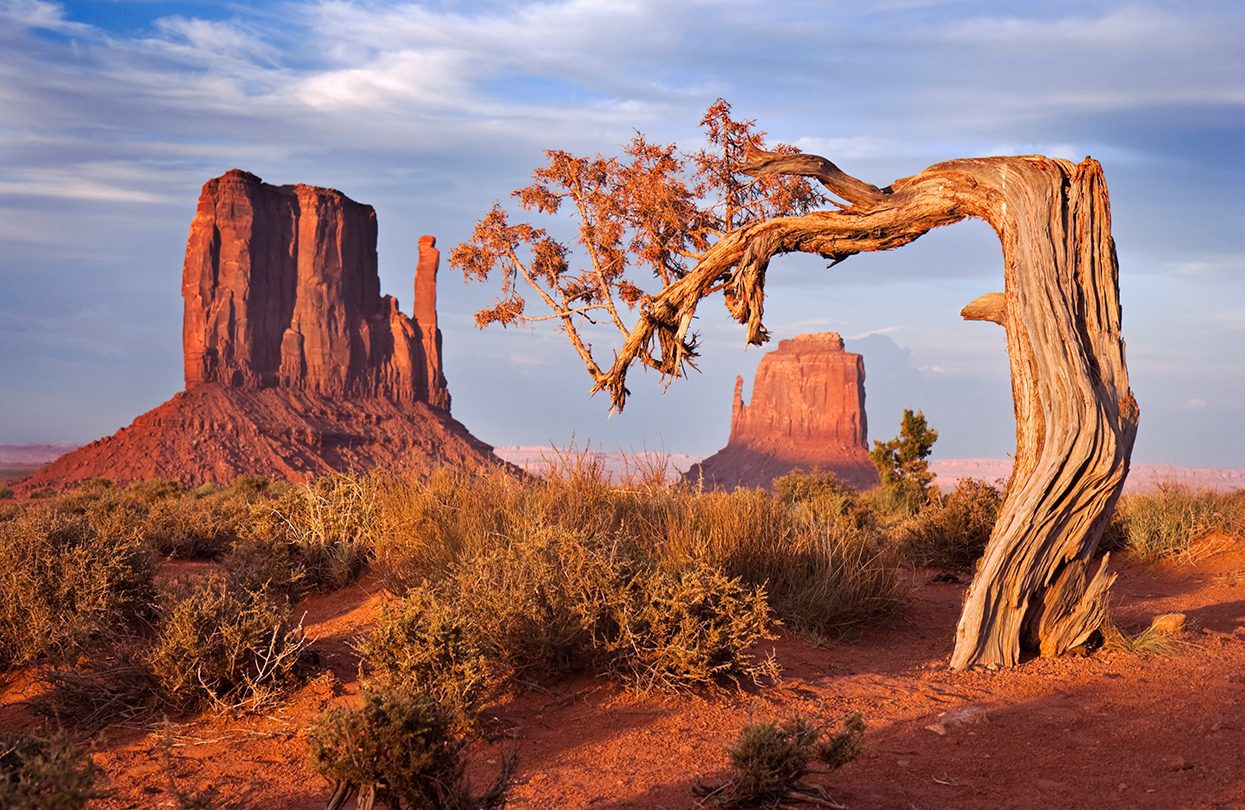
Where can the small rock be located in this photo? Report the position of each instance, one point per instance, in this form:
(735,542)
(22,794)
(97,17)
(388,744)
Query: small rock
(1123,787)
(903,763)
(1169,624)
(963,716)
(1177,764)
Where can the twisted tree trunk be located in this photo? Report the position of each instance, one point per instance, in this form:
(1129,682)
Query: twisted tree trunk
(1040,584)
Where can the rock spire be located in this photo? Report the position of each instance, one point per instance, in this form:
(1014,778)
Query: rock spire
(807,411)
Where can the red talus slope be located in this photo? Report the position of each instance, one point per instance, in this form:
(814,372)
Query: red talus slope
(214,432)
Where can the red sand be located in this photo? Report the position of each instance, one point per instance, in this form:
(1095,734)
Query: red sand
(1110,730)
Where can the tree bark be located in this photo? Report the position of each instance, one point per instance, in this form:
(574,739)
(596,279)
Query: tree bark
(1040,584)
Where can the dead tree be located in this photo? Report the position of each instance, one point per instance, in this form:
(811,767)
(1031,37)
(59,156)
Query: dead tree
(1041,584)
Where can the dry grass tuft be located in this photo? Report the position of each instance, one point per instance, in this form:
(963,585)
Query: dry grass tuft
(1173,522)
(1149,641)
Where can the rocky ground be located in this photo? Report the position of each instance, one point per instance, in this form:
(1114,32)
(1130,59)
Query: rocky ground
(1113,729)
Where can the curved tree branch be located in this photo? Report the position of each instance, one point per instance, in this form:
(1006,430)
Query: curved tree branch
(1039,584)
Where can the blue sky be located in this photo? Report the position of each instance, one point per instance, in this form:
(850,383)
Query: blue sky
(113,114)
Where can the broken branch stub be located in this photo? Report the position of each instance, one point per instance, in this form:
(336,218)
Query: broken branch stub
(1076,417)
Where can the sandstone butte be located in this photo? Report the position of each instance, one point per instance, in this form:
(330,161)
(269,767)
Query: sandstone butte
(295,364)
(807,412)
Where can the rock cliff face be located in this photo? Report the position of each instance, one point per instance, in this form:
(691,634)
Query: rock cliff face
(281,288)
(807,412)
(295,364)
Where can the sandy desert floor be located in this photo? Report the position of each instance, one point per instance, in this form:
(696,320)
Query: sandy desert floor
(1109,730)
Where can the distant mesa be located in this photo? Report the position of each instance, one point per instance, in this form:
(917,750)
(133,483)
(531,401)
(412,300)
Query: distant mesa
(807,412)
(295,364)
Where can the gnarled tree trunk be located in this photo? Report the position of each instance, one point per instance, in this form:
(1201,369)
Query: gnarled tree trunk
(1040,584)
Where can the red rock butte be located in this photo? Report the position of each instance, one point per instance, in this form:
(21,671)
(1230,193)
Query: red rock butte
(295,364)
(807,412)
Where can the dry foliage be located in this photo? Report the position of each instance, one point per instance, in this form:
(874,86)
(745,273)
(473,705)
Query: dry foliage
(46,773)
(549,600)
(312,537)
(822,563)
(644,220)
(69,581)
(1172,521)
(951,531)
(429,644)
(225,646)
(400,747)
(678,629)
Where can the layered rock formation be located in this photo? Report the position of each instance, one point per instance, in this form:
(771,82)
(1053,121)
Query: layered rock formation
(295,364)
(281,288)
(807,412)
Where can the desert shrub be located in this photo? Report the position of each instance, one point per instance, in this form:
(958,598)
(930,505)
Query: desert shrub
(196,526)
(154,491)
(951,532)
(1171,520)
(6,492)
(399,747)
(226,646)
(686,628)
(770,759)
(46,773)
(534,599)
(835,576)
(314,536)
(549,601)
(548,548)
(96,691)
(65,585)
(817,492)
(824,570)
(424,528)
(431,645)
(202,523)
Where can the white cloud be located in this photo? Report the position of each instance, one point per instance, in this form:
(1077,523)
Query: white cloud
(94,182)
(38,14)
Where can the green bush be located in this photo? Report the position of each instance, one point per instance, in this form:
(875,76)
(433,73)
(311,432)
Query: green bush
(901,463)
(951,532)
(65,585)
(399,747)
(225,646)
(770,759)
(46,773)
